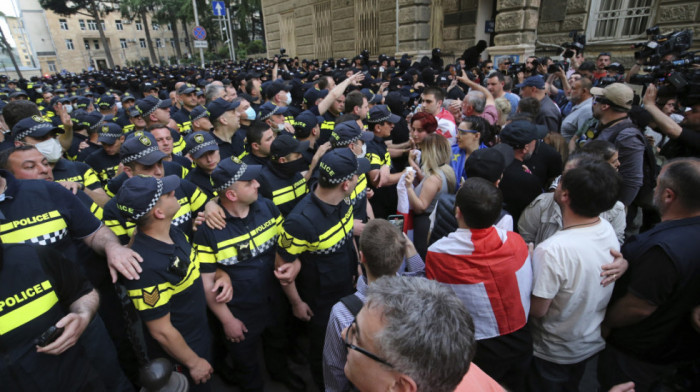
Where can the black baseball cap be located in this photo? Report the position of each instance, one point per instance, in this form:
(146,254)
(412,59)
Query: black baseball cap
(106,101)
(268,109)
(285,144)
(381,113)
(109,132)
(141,148)
(198,112)
(519,133)
(340,165)
(139,194)
(220,106)
(149,105)
(228,171)
(197,143)
(34,126)
(348,132)
(486,163)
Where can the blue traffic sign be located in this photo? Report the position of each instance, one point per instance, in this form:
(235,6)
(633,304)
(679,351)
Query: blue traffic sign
(219,8)
(199,33)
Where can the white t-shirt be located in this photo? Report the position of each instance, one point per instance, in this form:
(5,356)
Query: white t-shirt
(567,269)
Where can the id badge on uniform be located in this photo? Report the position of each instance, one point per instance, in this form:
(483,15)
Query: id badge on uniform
(244,251)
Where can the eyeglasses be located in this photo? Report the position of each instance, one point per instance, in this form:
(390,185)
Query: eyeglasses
(463,131)
(348,345)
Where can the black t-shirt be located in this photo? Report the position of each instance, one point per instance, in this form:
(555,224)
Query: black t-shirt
(519,188)
(105,166)
(545,163)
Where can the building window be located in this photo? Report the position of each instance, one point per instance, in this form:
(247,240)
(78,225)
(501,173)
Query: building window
(172,42)
(64,24)
(367,26)
(92,25)
(159,43)
(52,66)
(96,44)
(103,25)
(322,30)
(69,44)
(119,24)
(619,19)
(156,26)
(142,42)
(170,27)
(82,24)
(139,26)
(122,43)
(87,44)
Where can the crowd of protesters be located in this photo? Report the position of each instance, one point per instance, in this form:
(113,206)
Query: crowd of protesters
(246,213)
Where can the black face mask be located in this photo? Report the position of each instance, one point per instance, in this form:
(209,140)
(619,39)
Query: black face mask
(293,167)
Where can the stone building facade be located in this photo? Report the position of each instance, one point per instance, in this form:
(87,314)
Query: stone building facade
(73,42)
(342,28)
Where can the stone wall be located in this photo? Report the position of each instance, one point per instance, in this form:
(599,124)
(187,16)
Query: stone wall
(342,29)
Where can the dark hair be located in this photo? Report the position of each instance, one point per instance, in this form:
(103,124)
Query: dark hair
(352,100)
(5,154)
(593,186)
(437,92)
(322,82)
(480,202)
(383,247)
(427,120)
(600,148)
(529,105)
(479,124)
(17,111)
(682,175)
(255,132)
(496,74)
(347,117)
(586,83)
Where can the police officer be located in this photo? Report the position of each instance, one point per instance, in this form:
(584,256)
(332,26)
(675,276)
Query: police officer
(140,156)
(245,249)
(136,122)
(226,121)
(187,97)
(169,295)
(199,117)
(105,161)
(128,102)
(84,141)
(204,151)
(316,237)
(281,180)
(381,123)
(40,291)
(157,111)
(258,142)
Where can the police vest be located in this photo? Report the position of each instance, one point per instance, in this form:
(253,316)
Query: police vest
(284,192)
(245,249)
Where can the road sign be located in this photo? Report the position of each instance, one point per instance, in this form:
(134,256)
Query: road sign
(201,44)
(199,33)
(219,8)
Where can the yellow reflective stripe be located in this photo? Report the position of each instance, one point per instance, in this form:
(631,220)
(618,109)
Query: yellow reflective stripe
(97,211)
(30,311)
(90,177)
(184,127)
(289,193)
(128,128)
(205,254)
(108,191)
(244,153)
(374,159)
(328,125)
(118,229)
(360,187)
(179,145)
(166,290)
(387,158)
(12,235)
(337,232)
(184,172)
(197,199)
(268,232)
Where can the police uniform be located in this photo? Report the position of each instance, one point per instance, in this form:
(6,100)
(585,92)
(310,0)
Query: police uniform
(82,173)
(170,283)
(202,180)
(36,285)
(245,249)
(190,198)
(44,213)
(169,168)
(182,118)
(284,191)
(226,149)
(105,166)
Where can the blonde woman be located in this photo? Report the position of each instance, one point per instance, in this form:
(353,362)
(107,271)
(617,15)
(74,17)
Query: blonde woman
(438,177)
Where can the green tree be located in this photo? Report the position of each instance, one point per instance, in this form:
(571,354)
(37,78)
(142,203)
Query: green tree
(139,9)
(91,8)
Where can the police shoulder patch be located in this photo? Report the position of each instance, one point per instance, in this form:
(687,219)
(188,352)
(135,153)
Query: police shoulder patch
(152,298)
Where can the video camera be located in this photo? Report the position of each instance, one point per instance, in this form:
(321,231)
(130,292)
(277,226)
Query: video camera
(678,77)
(578,42)
(660,45)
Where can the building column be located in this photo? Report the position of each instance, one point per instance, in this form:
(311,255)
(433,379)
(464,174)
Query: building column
(414,27)
(516,28)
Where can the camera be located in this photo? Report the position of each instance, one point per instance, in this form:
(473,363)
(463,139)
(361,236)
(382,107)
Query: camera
(578,42)
(554,68)
(660,45)
(516,68)
(678,77)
